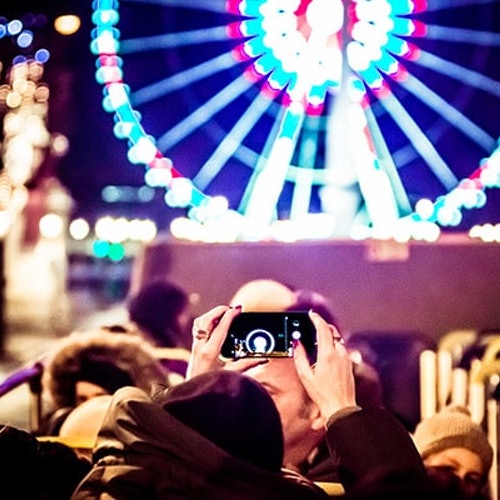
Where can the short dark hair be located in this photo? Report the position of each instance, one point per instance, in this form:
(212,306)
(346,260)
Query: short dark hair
(156,308)
(306,300)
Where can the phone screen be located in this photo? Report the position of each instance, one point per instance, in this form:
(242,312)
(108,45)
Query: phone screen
(268,334)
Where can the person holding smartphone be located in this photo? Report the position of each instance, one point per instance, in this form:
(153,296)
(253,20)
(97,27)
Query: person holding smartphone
(316,401)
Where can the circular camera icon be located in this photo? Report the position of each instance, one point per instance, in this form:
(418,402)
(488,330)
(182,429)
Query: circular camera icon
(259,342)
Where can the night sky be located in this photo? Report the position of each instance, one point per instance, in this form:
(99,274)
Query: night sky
(95,158)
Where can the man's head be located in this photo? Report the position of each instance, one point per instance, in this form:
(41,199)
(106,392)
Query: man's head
(302,426)
(300,418)
(263,295)
(98,377)
(99,361)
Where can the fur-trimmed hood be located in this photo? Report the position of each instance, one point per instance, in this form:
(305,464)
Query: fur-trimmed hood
(127,360)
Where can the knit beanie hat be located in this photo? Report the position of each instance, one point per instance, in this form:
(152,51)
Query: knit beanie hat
(453,427)
(231,410)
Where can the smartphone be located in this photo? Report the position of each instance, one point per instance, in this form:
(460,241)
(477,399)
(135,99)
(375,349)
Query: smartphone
(268,334)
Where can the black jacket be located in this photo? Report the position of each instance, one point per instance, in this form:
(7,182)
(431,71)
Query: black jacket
(145,453)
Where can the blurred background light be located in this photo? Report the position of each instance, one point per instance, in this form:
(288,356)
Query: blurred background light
(51,226)
(67,24)
(79,229)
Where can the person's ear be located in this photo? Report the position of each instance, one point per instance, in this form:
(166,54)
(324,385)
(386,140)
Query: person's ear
(317,420)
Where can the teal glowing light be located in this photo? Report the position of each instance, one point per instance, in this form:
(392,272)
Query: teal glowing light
(105,45)
(100,248)
(280,34)
(295,44)
(116,252)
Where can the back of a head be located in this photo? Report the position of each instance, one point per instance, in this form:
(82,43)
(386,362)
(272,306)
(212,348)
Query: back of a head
(305,300)
(18,458)
(262,295)
(156,309)
(234,412)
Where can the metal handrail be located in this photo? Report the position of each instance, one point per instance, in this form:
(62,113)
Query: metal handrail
(31,375)
(20,377)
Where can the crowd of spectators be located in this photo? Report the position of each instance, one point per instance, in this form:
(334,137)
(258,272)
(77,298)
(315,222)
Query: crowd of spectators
(124,421)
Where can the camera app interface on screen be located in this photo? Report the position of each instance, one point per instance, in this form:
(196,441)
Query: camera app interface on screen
(265,334)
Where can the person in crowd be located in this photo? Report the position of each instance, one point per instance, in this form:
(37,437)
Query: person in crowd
(366,378)
(266,294)
(453,446)
(161,311)
(34,470)
(263,294)
(371,449)
(216,436)
(269,294)
(79,429)
(93,363)
(219,434)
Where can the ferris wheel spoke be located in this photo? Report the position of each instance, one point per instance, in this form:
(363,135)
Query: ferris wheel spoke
(173,40)
(261,161)
(204,113)
(269,183)
(460,73)
(179,80)
(463,35)
(437,5)
(387,163)
(420,141)
(448,112)
(232,141)
(304,178)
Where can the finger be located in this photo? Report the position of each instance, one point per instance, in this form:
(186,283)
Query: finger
(336,334)
(326,345)
(219,333)
(243,365)
(304,369)
(343,355)
(208,321)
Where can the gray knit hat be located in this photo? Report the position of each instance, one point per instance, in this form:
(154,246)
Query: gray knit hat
(453,427)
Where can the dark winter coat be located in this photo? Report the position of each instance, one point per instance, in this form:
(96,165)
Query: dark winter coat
(145,452)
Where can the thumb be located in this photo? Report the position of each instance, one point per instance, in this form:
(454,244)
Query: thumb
(242,365)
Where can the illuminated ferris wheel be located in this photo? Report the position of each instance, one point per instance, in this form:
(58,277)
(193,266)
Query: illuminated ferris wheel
(292,119)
